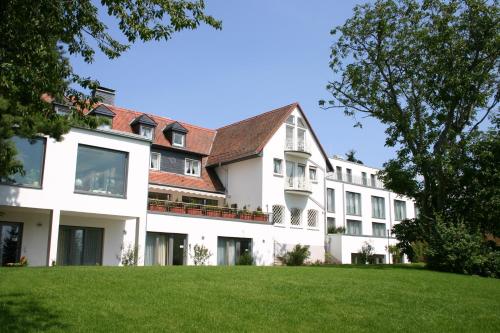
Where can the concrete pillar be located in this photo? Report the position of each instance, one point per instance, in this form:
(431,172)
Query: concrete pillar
(140,239)
(55,216)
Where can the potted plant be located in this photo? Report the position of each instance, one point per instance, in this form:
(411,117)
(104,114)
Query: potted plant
(193,209)
(229,213)
(156,205)
(212,211)
(258,215)
(177,207)
(244,214)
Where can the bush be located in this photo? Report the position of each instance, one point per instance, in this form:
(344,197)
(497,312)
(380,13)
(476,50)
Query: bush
(297,256)
(453,248)
(366,253)
(336,230)
(245,259)
(200,255)
(130,256)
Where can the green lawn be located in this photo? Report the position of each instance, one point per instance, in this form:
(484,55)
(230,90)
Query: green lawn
(258,299)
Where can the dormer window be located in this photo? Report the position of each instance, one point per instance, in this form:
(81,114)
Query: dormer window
(103,112)
(144,126)
(178,139)
(176,134)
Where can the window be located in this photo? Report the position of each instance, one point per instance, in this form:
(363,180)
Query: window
(290,120)
(378,207)
(378,229)
(278,214)
(101,171)
(79,246)
(339,173)
(330,224)
(312,174)
(10,242)
(278,166)
(373,180)
(165,249)
(31,154)
(364,179)
(295,216)
(349,175)
(192,167)
(200,201)
(289,137)
(178,139)
(399,210)
(107,121)
(354,227)
(146,131)
(155,161)
(312,218)
(353,202)
(417,210)
(330,200)
(230,250)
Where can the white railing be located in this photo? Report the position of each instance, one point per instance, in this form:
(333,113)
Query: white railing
(297,145)
(349,178)
(297,183)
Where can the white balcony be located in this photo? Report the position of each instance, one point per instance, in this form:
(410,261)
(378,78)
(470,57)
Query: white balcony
(298,185)
(298,148)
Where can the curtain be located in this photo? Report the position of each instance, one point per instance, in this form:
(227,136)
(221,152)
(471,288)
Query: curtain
(354,227)
(353,203)
(330,200)
(378,207)
(400,210)
(150,247)
(161,250)
(92,246)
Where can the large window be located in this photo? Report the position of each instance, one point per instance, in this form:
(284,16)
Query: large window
(400,210)
(230,250)
(353,203)
(378,229)
(378,207)
(31,154)
(330,200)
(165,249)
(178,139)
(330,224)
(101,171)
(10,242)
(354,227)
(155,161)
(79,246)
(192,167)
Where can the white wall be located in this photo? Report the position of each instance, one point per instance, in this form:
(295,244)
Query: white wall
(342,246)
(204,231)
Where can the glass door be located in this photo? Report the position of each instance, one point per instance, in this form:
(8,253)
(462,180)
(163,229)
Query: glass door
(290,173)
(301,175)
(229,249)
(165,249)
(79,246)
(10,242)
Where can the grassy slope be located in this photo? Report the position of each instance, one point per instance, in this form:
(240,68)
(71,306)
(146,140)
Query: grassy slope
(246,299)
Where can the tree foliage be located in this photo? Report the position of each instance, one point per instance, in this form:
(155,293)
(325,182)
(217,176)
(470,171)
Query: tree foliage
(428,70)
(351,157)
(38,36)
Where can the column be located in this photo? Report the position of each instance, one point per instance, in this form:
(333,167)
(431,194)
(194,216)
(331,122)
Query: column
(140,239)
(55,216)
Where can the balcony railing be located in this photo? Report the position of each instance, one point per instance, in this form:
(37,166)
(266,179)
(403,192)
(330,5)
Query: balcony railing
(297,184)
(349,178)
(156,205)
(297,145)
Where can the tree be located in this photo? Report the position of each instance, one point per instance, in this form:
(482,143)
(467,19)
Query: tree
(428,70)
(351,157)
(38,36)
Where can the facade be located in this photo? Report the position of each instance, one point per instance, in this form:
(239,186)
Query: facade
(158,187)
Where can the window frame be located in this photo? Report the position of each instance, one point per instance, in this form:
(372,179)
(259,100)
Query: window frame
(360,227)
(280,166)
(142,127)
(379,223)
(182,135)
(185,167)
(360,204)
(315,179)
(330,190)
(383,207)
(395,210)
(125,177)
(151,159)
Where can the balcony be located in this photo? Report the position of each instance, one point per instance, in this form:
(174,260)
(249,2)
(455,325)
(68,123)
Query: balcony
(298,148)
(298,185)
(350,179)
(182,208)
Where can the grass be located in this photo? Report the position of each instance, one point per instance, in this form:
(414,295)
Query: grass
(257,299)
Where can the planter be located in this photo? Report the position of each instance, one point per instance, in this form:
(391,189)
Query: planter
(262,218)
(246,216)
(193,211)
(214,213)
(228,215)
(178,210)
(157,208)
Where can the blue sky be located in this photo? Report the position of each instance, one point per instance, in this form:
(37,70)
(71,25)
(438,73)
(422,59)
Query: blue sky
(268,54)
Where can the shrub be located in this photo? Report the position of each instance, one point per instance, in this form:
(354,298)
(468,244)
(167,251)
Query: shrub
(200,255)
(366,253)
(246,259)
(420,249)
(297,256)
(130,256)
(336,230)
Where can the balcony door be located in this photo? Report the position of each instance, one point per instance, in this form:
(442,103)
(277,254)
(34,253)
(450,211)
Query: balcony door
(229,250)
(290,173)
(301,175)
(10,242)
(165,249)
(79,246)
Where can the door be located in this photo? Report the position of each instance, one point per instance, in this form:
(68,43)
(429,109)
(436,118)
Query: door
(79,246)
(229,249)
(301,175)
(290,173)
(10,242)
(165,249)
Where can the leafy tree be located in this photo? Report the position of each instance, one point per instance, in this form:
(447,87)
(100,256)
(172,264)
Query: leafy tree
(366,253)
(428,70)
(38,36)
(351,157)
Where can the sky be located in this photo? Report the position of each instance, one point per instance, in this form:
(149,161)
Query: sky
(269,53)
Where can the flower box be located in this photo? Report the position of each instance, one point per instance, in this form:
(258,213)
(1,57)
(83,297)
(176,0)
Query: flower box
(157,208)
(193,211)
(260,217)
(228,215)
(178,210)
(246,216)
(214,213)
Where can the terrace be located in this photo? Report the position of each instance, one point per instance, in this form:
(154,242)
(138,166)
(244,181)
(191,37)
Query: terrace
(194,209)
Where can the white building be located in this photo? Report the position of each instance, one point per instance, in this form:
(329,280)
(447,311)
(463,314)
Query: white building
(259,186)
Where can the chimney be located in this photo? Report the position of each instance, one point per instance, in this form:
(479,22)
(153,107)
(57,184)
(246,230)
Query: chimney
(107,95)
